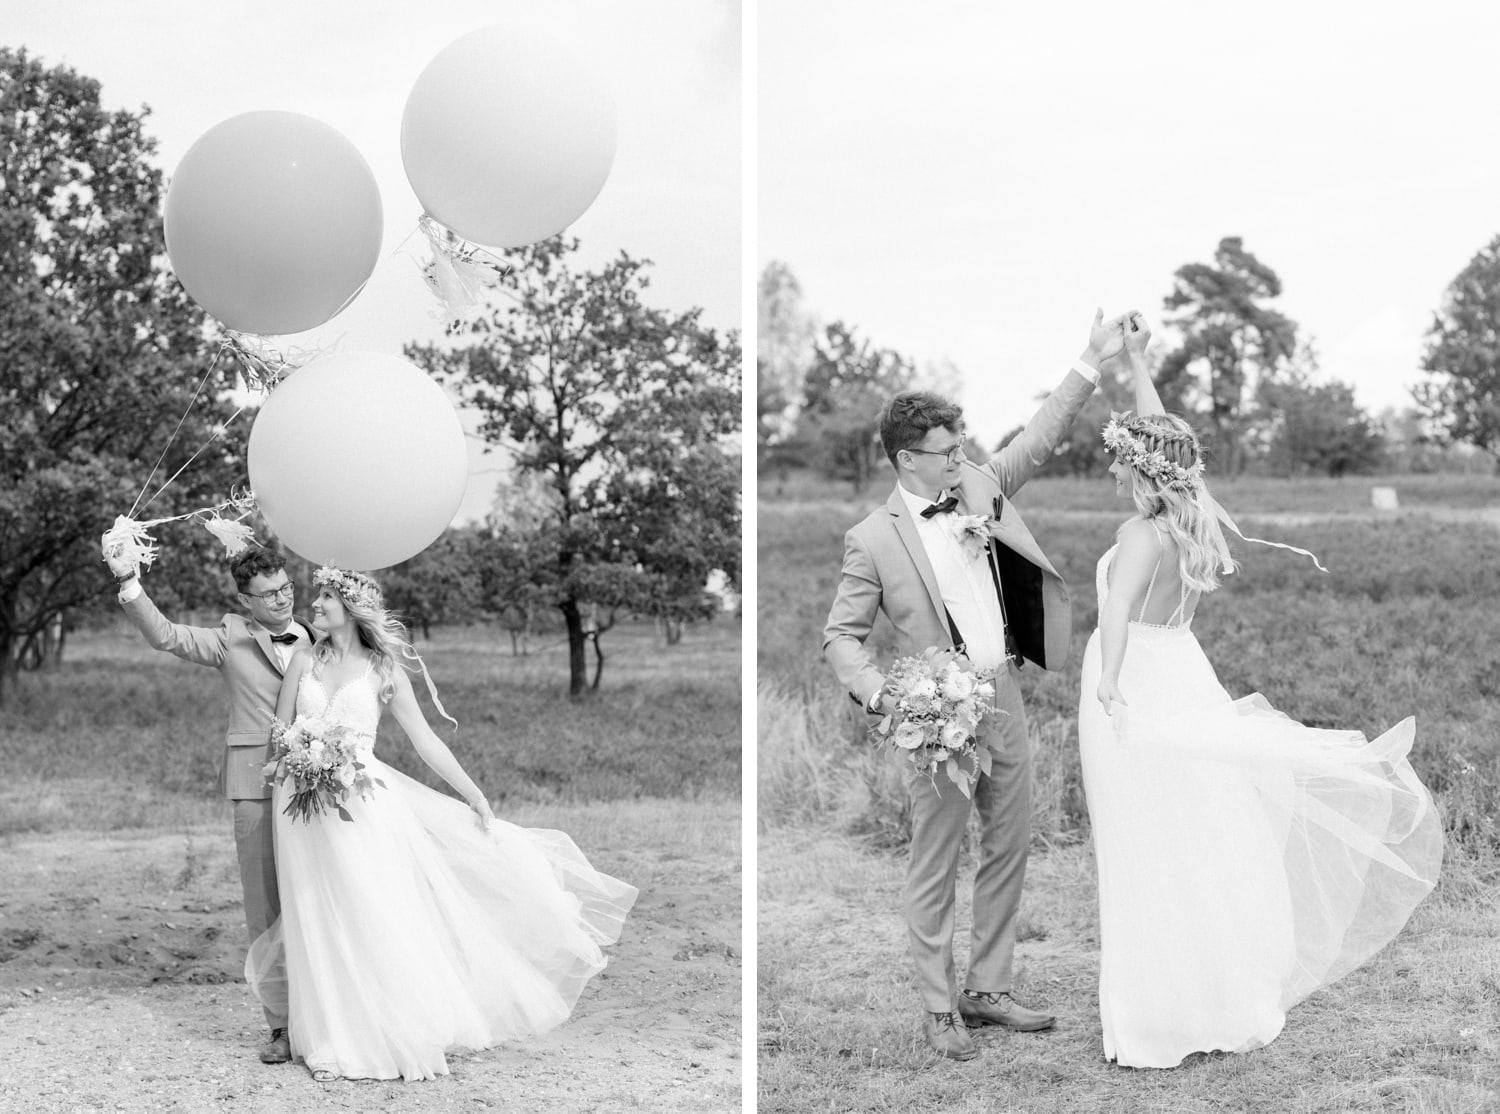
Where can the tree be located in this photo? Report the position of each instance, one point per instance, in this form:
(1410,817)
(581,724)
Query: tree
(1462,394)
(602,396)
(99,351)
(438,585)
(784,347)
(784,338)
(1317,427)
(1230,337)
(849,381)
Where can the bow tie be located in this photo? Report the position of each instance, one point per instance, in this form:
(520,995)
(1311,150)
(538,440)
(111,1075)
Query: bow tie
(285,639)
(942,506)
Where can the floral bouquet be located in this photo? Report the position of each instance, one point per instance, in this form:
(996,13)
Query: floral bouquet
(323,764)
(941,700)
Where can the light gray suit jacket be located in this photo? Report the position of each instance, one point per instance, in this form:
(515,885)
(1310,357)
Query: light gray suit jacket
(886,567)
(241,651)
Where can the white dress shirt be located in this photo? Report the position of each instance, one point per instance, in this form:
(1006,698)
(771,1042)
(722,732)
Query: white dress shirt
(964,581)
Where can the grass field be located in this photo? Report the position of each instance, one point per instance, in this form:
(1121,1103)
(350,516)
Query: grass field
(1403,625)
(121,736)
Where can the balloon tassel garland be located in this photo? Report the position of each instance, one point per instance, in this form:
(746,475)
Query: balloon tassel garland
(458,272)
(262,363)
(130,539)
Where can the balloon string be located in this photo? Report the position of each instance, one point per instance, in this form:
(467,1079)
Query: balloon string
(217,434)
(196,391)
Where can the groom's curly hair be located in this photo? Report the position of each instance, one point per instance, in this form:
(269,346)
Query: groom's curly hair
(255,561)
(911,415)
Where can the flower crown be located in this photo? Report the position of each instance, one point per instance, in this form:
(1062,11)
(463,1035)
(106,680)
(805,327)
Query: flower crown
(1121,438)
(352,587)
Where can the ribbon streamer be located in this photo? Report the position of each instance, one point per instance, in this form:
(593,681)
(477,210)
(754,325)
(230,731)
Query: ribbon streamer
(458,273)
(410,653)
(1219,514)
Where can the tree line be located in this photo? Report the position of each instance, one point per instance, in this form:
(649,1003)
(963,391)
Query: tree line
(1243,371)
(619,421)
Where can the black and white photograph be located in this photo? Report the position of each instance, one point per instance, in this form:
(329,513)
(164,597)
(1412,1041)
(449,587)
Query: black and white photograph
(371,457)
(1127,526)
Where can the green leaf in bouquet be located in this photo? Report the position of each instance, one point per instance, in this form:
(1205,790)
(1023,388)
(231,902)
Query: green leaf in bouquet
(984,758)
(344,814)
(956,776)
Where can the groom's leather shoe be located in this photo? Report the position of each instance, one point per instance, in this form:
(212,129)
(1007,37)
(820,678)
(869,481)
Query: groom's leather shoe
(985,1008)
(279,1051)
(946,1034)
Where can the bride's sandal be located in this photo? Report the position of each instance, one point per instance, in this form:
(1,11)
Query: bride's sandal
(323,1075)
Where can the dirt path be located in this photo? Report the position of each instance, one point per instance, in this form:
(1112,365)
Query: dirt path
(121,989)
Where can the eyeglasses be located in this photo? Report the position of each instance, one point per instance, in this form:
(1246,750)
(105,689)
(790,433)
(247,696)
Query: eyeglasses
(283,593)
(953,454)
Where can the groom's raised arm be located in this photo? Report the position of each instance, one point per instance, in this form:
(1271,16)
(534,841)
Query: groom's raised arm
(201,645)
(1013,465)
(850,620)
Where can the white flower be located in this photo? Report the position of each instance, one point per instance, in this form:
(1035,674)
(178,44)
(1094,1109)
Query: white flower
(958,685)
(954,734)
(908,736)
(346,774)
(925,688)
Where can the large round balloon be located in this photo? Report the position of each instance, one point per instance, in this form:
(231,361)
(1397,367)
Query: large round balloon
(358,460)
(507,137)
(273,222)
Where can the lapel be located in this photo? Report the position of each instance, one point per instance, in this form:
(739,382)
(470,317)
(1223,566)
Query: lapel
(263,640)
(978,496)
(906,530)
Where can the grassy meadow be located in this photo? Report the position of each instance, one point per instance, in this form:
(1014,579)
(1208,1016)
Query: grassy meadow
(122,736)
(1403,625)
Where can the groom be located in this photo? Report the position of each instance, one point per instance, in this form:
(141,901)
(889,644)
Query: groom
(251,655)
(905,560)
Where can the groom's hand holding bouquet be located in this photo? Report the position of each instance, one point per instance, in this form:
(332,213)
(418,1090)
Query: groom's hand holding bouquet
(937,702)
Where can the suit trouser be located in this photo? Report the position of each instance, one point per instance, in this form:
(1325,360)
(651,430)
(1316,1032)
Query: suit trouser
(253,828)
(939,818)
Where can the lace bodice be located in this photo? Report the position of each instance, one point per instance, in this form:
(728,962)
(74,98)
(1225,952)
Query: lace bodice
(354,704)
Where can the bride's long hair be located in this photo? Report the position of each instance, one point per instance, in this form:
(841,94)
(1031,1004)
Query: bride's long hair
(378,629)
(1175,502)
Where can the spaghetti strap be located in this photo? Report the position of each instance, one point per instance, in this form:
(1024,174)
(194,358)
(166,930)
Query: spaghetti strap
(1141,618)
(1179,617)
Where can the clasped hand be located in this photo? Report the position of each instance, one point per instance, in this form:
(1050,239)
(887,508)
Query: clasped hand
(1107,339)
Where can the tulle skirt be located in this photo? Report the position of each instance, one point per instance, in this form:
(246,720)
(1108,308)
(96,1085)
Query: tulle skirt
(408,931)
(1244,860)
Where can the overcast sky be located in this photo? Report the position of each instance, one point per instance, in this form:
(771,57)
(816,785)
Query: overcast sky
(969,180)
(673,67)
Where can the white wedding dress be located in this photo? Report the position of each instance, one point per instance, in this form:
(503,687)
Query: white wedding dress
(409,931)
(1244,860)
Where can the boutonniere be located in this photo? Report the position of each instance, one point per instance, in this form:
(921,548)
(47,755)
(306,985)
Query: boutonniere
(973,533)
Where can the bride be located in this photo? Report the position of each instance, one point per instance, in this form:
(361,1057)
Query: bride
(416,926)
(1244,860)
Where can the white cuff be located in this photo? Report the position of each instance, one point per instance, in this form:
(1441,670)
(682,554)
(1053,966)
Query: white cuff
(1089,373)
(130,590)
